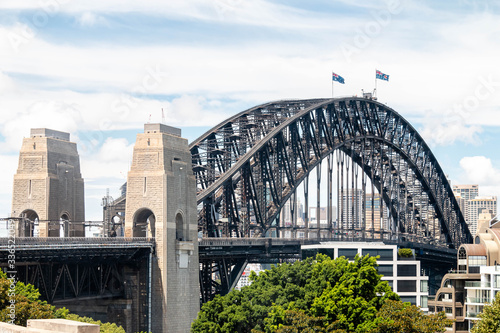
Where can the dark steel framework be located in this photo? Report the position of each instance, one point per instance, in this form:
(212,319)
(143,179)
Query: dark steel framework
(226,258)
(83,269)
(250,165)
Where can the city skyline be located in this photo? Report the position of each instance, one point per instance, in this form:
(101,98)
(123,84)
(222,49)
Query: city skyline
(100,71)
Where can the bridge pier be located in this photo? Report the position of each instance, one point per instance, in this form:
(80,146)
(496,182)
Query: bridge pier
(161,203)
(48,187)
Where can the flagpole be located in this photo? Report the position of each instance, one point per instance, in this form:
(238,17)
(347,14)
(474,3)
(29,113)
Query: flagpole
(375,91)
(332,83)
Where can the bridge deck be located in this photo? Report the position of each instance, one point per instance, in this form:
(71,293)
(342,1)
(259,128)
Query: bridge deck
(48,249)
(73,249)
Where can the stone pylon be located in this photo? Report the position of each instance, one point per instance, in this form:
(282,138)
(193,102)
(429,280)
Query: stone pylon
(161,203)
(48,186)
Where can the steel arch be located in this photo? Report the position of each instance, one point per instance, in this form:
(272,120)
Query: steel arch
(248,166)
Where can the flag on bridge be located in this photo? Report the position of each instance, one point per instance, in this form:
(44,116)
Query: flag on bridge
(338,78)
(381,76)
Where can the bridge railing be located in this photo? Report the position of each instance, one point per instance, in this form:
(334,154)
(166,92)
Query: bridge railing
(227,241)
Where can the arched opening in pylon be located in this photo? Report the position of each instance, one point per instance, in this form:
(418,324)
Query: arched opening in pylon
(144,223)
(29,225)
(64,225)
(179,227)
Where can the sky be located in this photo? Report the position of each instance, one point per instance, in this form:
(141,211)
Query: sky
(101,69)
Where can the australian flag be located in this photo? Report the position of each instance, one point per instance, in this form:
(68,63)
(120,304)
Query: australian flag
(338,78)
(382,76)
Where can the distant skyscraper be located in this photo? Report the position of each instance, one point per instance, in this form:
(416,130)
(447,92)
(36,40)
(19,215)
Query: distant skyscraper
(322,216)
(476,206)
(373,219)
(351,218)
(468,192)
(465,192)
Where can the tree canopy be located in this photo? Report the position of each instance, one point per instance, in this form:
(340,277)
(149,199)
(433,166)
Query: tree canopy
(399,317)
(29,306)
(25,301)
(316,295)
(323,293)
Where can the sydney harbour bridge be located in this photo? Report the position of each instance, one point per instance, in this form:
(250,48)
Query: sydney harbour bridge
(251,164)
(251,171)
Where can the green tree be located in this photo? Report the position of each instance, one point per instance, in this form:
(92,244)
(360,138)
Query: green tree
(27,305)
(323,293)
(489,318)
(399,317)
(352,303)
(21,304)
(104,327)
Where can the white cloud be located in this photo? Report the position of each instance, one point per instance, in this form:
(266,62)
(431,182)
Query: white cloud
(44,113)
(116,150)
(480,170)
(448,129)
(8,167)
(89,19)
(435,61)
(257,12)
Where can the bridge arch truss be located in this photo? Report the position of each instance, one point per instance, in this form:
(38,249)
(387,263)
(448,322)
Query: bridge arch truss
(249,166)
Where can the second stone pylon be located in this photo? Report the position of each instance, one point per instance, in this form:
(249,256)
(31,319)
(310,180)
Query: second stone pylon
(161,203)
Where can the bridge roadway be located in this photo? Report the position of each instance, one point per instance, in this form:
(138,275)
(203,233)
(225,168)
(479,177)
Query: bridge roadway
(227,257)
(34,249)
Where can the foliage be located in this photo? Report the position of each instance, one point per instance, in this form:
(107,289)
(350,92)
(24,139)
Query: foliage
(104,327)
(29,306)
(405,253)
(489,318)
(399,317)
(24,300)
(313,295)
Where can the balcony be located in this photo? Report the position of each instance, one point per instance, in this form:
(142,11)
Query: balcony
(477,284)
(472,314)
(481,300)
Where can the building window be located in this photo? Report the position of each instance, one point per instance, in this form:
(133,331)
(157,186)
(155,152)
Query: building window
(309,253)
(475,262)
(390,284)
(409,299)
(385,270)
(384,254)
(424,286)
(496,281)
(423,301)
(407,270)
(348,253)
(407,286)
(326,252)
(462,254)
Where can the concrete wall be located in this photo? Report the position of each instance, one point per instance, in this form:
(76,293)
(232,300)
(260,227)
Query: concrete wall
(50,325)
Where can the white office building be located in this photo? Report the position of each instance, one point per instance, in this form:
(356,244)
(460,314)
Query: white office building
(476,206)
(404,275)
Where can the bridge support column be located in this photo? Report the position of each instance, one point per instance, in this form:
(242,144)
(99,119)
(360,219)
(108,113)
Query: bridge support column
(48,186)
(161,203)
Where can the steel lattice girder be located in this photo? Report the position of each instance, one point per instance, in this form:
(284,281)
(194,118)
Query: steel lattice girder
(248,166)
